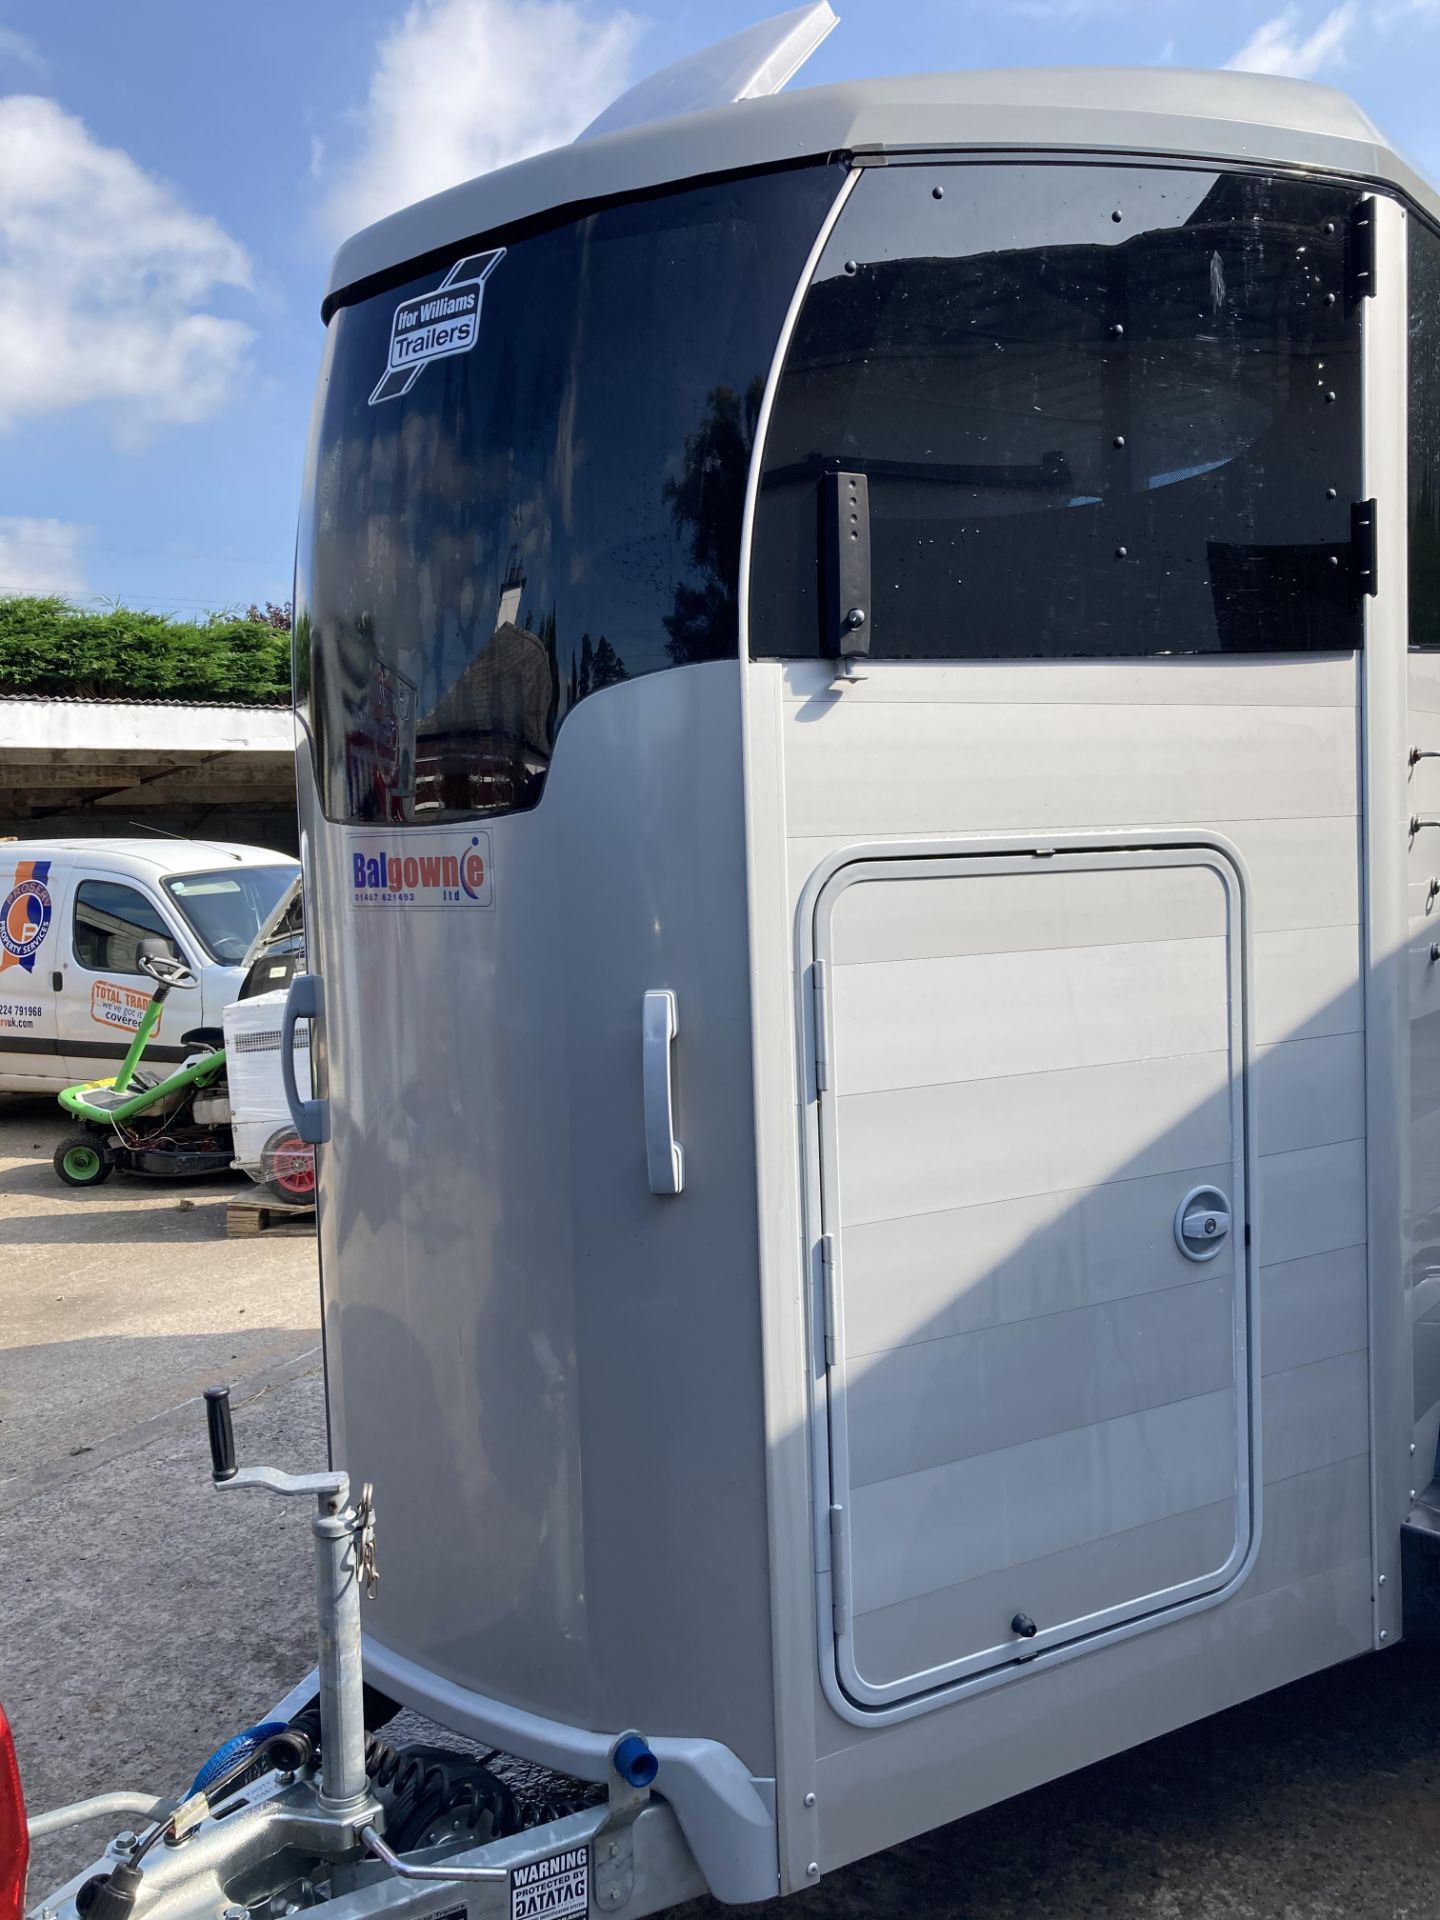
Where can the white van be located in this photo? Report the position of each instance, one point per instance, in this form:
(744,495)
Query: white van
(72,915)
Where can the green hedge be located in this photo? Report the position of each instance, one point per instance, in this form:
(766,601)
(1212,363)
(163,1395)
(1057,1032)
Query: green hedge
(47,646)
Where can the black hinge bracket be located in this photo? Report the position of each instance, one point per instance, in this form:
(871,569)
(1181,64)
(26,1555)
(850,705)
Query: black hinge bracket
(845,551)
(1364,557)
(1360,252)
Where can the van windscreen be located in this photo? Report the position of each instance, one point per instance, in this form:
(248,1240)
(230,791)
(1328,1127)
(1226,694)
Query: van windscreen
(527,485)
(227,909)
(1100,411)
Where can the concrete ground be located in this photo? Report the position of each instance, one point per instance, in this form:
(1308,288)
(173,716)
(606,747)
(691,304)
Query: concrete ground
(144,1618)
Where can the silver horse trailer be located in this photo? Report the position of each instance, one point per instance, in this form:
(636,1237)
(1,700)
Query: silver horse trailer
(870,676)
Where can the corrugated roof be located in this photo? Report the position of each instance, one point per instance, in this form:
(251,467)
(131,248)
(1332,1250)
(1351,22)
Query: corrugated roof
(141,700)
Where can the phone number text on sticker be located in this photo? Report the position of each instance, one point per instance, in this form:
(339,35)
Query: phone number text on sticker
(556,1888)
(422,870)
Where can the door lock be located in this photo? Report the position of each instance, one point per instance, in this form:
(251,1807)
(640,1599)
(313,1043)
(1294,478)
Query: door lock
(1202,1223)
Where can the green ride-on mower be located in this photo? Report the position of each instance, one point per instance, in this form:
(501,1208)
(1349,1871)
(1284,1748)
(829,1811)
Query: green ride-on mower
(174,1126)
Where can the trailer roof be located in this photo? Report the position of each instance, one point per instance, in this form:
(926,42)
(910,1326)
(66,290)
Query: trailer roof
(1227,117)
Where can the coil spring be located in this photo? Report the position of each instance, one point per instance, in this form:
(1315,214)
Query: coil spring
(426,1785)
(406,1770)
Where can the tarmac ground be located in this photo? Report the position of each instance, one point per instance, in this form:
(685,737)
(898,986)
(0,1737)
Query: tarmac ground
(144,1618)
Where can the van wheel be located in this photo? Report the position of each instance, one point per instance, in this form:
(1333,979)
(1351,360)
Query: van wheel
(80,1163)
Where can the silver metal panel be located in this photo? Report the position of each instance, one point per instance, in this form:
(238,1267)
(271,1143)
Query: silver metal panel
(1312,1201)
(1141,998)
(941,1400)
(1312,1308)
(879,1787)
(1306,872)
(1047,1253)
(965,1081)
(1307,983)
(937,1527)
(1289,762)
(1423,1032)
(1384,752)
(504,1297)
(1313,1521)
(1080,1581)
(1315,1416)
(1310,1093)
(927,1148)
(1084,911)
(1248,118)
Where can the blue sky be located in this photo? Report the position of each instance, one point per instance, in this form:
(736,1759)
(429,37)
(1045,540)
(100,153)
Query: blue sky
(174,178)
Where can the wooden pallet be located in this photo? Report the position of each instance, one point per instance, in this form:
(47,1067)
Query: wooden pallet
(246,1217)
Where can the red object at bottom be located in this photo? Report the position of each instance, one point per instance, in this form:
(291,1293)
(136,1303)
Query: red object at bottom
(14,1835)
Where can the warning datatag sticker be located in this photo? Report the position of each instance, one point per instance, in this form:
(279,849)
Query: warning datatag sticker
(555,1888)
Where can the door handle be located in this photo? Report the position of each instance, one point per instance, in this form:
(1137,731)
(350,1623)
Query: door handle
(303,1001)
(1202,1223)
(664,1156)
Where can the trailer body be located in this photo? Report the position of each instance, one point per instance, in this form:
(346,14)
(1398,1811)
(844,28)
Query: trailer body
(859,655)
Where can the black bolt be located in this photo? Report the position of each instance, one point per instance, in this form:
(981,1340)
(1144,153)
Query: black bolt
(1121,553)
(1116,331)
(851,267)
(855,618)
(1329,226)
(937,193)
(1329,299)
(1330,493)
(1334,559)
(1118,441)
(1330,397)
(1117,216)
(1024,1626)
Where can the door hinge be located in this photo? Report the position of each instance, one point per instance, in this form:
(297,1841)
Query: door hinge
(839,1569)
(830,1299)
(1360,253)
(1364,555)
(822,1048)
(845,548)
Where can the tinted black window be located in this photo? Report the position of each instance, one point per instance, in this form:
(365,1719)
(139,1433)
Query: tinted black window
(1101,411)
(1424,435)
(550,509)
(110,922)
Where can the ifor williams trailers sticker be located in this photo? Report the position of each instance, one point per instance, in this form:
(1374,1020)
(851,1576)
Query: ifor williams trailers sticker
(25,915)
(432,326)
(449,870)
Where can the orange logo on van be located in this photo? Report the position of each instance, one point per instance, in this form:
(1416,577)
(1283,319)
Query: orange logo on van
(25,916)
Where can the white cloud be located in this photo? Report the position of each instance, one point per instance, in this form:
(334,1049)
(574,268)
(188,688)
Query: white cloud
(41,556)
(105,277)
(1281,45)
(463,86)
(17,50)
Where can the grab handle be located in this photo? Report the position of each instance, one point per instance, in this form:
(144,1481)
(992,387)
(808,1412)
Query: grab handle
(303,1002)
(664,1155)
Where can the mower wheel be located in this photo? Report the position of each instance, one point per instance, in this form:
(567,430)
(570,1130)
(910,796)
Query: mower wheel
(287,1169)
(81,1163)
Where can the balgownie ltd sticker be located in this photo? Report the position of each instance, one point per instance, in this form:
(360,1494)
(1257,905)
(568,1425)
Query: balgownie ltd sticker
(432,326)
(445,867)
(555,1888)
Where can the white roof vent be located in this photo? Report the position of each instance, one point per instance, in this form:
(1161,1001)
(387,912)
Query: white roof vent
(758,60)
